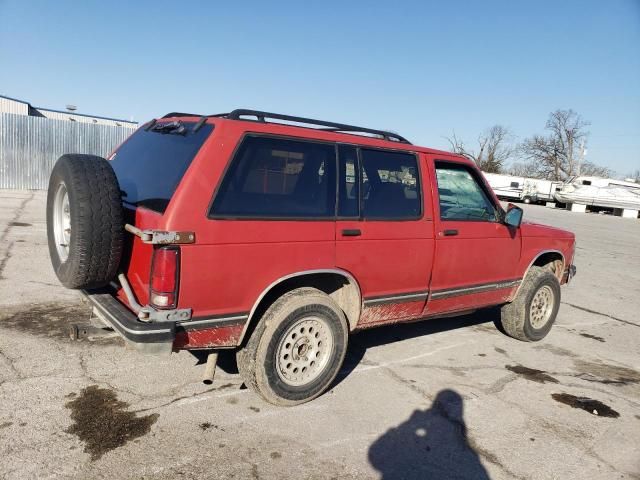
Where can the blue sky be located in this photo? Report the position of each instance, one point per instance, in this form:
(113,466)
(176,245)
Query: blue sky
(423,68)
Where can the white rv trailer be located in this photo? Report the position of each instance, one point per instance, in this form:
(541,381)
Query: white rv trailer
(505,186)
(529,190)
(601,182)
(602,193)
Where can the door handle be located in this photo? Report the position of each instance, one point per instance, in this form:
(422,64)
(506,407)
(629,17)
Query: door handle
(450,233)
(351,232)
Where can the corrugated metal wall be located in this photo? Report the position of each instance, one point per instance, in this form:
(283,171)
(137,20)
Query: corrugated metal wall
(67,116)
(29,146)
(10,105)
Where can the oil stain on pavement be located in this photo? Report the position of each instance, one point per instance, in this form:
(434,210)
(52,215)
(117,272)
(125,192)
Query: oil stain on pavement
(594,407)
(48,320)
(102,423)
(52,320)
(606,374)
(531,374)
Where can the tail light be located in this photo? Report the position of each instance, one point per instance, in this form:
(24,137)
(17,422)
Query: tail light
(165,269)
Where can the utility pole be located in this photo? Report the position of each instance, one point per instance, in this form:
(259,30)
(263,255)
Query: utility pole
(583,153)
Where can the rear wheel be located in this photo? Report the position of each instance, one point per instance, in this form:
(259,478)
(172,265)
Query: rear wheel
(532,313)
(84,221)
(296,349)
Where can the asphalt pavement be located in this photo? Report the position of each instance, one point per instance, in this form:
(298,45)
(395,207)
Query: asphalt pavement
(449,398)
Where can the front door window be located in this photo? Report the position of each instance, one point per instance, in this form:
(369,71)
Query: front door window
(461,196)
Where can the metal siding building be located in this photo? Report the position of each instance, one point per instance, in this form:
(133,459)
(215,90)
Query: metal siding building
(21,107)
(29,146)
(77,117)
(10,105)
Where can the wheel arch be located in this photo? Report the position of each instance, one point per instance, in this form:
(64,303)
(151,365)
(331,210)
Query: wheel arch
(339,284)
(552,258)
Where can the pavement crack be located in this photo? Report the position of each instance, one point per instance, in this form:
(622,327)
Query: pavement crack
(467,441)
(595,312)
(92,379)
(493,459)
(500,384)
(572,436)
(407,383)
(10,361)
(5,232)
(177,399)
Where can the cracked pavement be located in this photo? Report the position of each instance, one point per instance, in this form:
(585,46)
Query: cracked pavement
(428,400)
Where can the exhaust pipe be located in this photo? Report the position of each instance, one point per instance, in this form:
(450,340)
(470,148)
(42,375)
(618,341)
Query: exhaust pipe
(210,368)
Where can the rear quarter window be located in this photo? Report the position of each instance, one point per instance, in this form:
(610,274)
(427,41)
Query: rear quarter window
(151,164)
(278,178)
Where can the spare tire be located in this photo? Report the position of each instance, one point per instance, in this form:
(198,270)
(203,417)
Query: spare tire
(84,221)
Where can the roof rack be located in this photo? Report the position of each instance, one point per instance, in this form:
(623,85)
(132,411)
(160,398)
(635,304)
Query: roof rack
(181,114)
(330,126)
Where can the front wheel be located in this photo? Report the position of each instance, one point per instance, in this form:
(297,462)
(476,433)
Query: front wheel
(532,313)
(296,349)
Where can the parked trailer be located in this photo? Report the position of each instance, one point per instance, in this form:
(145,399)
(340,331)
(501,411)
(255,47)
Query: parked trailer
(601,194)
(536,190)
(529,190)
(505,186)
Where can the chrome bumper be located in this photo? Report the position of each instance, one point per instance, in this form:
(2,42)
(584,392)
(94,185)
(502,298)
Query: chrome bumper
(153,338)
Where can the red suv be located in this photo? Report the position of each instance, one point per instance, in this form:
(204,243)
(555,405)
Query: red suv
(280,236)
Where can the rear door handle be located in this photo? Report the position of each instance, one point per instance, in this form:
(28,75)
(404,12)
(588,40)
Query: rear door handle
(351,232)
(450,233)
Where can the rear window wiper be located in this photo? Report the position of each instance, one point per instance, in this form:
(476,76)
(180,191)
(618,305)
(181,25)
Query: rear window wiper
(170,127)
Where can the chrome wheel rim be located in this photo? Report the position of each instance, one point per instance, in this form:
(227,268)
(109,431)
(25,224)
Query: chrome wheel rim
(304,351)
(541,307)
(62,222)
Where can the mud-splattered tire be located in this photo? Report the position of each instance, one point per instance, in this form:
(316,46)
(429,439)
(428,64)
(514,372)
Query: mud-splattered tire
(532,313)
(296,349)
(84,221)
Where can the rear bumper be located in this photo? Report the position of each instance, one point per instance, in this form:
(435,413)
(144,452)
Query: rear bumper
(153,338)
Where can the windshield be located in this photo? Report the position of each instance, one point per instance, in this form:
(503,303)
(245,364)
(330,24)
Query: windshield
(151,163)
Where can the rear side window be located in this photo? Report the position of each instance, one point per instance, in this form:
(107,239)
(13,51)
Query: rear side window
(278,178)
(151,164)
(389,185)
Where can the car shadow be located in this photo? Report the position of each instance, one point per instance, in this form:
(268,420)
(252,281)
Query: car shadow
(360,342)
(430,444)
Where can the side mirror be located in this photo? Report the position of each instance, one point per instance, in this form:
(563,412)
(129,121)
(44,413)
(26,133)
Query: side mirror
(513,218)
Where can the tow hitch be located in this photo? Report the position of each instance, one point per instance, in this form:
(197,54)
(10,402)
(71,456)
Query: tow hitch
(81,332)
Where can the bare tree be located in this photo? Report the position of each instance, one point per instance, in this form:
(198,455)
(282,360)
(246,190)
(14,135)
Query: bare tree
(556,156)
(593,170)
(635,175)
(492,152)
(524,169)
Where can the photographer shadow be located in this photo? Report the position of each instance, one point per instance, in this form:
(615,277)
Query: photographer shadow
(431,444)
